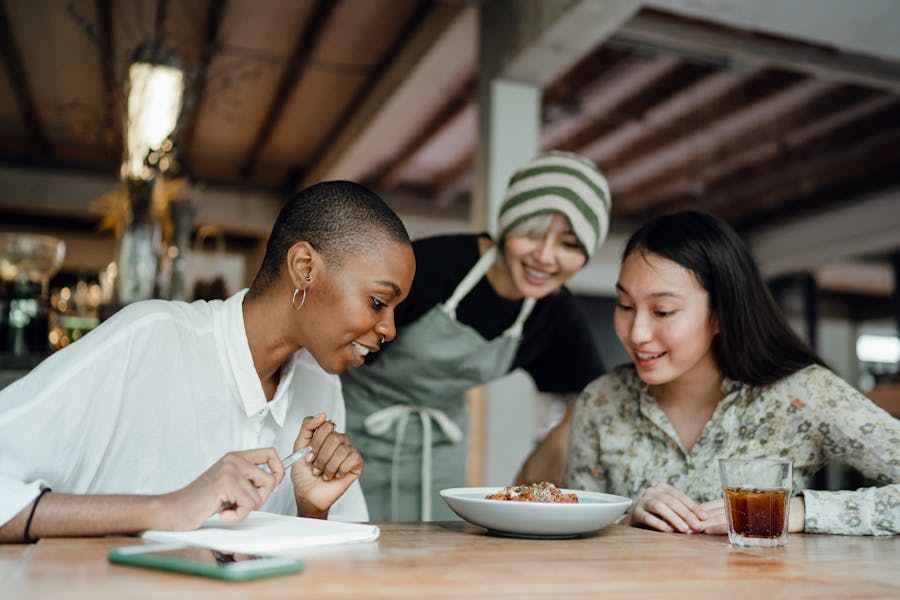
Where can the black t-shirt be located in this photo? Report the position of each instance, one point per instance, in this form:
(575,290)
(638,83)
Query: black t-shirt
(556,348)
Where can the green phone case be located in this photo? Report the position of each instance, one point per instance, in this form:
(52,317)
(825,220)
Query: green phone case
(144,556)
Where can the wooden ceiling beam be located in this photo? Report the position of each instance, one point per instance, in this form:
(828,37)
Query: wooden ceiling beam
(868,225)
(550,37)
(111,115)
(454,173)
(376,77)
(159,24)
(594,72)
(214,19)
(857,277)
(596,65)
(858,129)
(386,176)
(672,118)
(15,71)
(705,143)
(604,103)
(69,195)
(803,178)
(424,26)
(296,65)
(743,50)
(639,106)
(620,83)
(719,98)
(818,176)
(763,157)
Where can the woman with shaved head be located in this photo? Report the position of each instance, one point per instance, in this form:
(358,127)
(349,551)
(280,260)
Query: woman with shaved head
(163,415)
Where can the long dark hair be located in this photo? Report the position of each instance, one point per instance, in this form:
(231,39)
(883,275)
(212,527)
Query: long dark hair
(754,344)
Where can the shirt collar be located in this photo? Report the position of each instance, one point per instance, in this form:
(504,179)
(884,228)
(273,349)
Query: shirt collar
(731,391)
(282,398)
(301,362)
(240,360)
(730,388)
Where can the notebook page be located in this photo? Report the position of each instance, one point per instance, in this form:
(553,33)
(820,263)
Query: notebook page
(267,534)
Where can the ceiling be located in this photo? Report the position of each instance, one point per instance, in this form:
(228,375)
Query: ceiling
(678,112)
(269,82)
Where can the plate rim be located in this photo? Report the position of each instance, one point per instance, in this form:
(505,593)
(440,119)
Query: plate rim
(614,499)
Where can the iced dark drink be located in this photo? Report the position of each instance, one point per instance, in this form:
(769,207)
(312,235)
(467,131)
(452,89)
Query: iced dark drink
(757,493)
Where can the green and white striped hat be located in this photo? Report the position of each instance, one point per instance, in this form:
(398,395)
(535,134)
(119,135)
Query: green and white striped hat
(560,182)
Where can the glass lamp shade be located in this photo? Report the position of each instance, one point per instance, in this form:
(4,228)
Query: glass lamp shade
(33,257)
(154,104)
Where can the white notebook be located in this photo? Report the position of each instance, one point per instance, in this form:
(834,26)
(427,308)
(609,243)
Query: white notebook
(267,534)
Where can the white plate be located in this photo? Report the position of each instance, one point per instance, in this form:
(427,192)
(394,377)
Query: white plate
(593,512)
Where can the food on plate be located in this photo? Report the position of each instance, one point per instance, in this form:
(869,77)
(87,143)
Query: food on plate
(534,492)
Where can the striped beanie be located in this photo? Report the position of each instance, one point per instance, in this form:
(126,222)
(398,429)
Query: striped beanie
(560,182)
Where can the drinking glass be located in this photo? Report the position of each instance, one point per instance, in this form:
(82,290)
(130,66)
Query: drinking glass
(757,497)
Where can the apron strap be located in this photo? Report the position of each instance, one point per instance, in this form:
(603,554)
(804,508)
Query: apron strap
(515,330)
(380,422)
(472,278)
(397,416)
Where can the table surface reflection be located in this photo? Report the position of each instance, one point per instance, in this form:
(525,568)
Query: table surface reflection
(456,560)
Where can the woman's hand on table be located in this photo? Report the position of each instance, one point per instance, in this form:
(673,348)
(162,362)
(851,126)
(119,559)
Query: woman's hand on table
(232,487)
(716,522)
(334,465)
(666,508)
(797,517)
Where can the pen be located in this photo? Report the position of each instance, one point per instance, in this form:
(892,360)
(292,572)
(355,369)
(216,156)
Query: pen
(291,459)
(287,462)
(295,457)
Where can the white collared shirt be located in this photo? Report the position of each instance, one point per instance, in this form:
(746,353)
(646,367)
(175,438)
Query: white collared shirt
(149,400)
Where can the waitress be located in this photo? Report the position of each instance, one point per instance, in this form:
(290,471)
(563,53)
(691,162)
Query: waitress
(478,309)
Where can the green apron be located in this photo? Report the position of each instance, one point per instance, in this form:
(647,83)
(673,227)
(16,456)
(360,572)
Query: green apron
(425,372)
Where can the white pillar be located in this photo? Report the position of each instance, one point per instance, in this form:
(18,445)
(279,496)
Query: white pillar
(510,129)
(501,413)
(524,46)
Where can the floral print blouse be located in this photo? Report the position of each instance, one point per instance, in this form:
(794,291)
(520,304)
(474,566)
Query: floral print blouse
(622,442)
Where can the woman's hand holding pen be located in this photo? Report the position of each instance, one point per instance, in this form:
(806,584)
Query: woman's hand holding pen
(334,465)
(236,485)
(233,487)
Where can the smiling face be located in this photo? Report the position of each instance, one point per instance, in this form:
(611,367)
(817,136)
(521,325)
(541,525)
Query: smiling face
(350,309)
(663,319)
(540,260)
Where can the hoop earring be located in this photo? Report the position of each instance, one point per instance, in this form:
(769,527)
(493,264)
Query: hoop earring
(294,299)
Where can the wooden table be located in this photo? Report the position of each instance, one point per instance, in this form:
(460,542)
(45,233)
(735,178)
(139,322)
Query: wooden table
(454,560)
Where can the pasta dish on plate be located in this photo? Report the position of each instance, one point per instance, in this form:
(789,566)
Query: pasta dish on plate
(534,492)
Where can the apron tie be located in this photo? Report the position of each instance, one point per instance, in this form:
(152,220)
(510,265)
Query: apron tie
(380,422)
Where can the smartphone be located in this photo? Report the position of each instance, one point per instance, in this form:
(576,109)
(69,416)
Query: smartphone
(203,561)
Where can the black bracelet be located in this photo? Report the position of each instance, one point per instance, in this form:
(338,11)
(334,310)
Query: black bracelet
(27,536)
